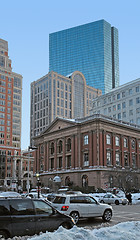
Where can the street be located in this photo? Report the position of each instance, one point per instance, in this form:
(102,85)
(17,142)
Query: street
(120,214)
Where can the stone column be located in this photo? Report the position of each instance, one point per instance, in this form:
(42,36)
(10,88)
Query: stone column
(113,150)
(90,149)
(94,148)
(64,154)
(73,152)
(100,148)
(122,151)
(55,155)
(130,152)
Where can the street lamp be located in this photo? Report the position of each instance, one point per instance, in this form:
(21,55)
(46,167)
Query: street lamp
(38,183)
(28,183)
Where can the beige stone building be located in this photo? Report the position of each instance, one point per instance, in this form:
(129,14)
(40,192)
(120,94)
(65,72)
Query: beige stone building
(55,95)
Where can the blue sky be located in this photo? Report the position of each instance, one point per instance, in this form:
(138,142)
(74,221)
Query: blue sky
(26,26)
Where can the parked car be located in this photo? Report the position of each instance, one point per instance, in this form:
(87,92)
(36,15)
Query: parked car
(110,198)
(19,217)
(81,206)
(9,194)
(33,195)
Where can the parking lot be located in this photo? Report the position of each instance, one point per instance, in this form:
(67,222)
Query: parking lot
(120,214)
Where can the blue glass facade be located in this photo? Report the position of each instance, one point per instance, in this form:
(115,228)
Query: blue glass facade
(87,48)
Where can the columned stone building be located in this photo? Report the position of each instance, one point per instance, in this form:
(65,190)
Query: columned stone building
(94,151)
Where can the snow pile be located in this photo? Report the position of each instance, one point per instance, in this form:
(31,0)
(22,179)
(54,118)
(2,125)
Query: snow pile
(121,231)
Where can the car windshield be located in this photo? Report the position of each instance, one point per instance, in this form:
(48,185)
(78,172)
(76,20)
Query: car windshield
(59,199)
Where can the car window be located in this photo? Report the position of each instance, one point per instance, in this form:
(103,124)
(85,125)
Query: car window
(21,207)
(4,208)
(60,200)
(82,199)
(42,208)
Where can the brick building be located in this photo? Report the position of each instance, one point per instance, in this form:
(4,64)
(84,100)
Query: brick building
(10,120)
(94,151)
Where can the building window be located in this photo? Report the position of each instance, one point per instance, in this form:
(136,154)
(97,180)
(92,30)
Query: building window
(117,159)
(109,109)
(119,116)
(124,114)
(125,142)
(60,146)
(114,107)
(85,139)
(130,91)
(108,158)
(118,96)
(108,139)
(131,102)
(137,100)
(86,160)
(60,162)
(133,144)
(52,148)
(119,106)
(123,105)
(133,160)
(137,89)
(117,141)
(130,112)
(123,94)
(138,110)
(69,145)
(68,161)
(126,163)
(51,163)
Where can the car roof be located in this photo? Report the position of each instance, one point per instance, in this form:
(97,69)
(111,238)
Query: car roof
(71,195)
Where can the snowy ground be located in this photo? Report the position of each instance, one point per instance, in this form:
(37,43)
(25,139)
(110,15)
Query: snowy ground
(121,231)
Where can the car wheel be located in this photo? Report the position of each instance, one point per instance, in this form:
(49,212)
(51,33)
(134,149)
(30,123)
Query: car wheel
(75,216)
(107,215)
(66,225)
(101,201)
(117,202)
(3,234)
(123,203)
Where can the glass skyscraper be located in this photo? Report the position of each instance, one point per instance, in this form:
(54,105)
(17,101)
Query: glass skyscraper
(91,49)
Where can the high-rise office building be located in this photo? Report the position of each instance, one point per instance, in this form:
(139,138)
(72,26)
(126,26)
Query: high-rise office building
(91,49)
(54,95)
(122,103)
(10,117)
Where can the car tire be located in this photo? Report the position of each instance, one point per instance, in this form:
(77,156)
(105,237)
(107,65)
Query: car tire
(3,234)
(101,201)
(66,225)
(107,215)
(75,216)
(117,202)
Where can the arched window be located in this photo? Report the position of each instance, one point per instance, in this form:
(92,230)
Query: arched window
(125,142)
(67,181)
(69,145)
(52,148)
(85,181)
(133,144)
(60,146)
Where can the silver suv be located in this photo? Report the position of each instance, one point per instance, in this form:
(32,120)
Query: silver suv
(81,206)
